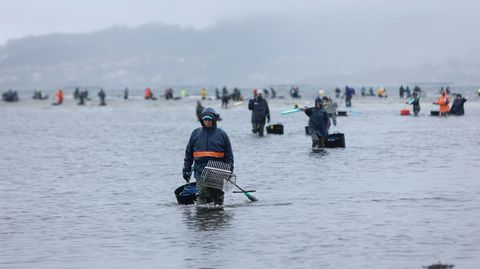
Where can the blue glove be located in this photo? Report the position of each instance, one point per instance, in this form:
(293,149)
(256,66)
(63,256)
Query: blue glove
(186,175)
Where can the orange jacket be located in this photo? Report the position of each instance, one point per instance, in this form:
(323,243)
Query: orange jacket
(203,92)
(59,95)
(444,103)
(148,93)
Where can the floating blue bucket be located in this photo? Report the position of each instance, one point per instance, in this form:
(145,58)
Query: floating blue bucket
(186,194)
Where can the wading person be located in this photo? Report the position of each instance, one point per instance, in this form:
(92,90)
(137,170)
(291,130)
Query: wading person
(102,95)
(349,92)
(337,92)
(318,123)
(148,94)
(203,93)
(59,95)
(331,108)
(206,143)
(457,106)
(259,107)
(443,102)
(199,109)
(415,102)
(81,98)
(225,97)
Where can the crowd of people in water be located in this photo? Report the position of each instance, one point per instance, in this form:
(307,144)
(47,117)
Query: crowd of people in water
(445,105)
(210,143)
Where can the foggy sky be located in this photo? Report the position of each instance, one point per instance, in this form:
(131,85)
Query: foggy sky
(239,41)
(26,17)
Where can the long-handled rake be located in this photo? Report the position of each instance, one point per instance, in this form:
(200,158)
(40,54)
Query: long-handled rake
(218,175)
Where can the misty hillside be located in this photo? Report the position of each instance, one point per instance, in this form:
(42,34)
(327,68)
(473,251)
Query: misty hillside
(258,50)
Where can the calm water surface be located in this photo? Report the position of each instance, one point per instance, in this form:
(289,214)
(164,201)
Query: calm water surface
(92,187)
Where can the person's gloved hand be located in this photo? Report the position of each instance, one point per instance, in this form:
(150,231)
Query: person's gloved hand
(186,175)
(268,119)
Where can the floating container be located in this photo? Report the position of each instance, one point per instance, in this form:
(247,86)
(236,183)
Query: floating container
(434,113)
(335,140)
(275,128)
(342,113)
(404,112)
(186,194)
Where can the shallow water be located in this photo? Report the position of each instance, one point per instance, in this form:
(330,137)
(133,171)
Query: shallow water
(93,187)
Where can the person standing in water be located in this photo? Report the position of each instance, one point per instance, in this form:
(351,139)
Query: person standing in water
(457,106)
(318,123)
(337,92)
(415,102)
(260,111)
(102,95)
(348,96)
(225,97)
(207,143)
(81,98)
(148,94)
(444,104)
(203,93)
(199,109)
(331,108)
(59,95)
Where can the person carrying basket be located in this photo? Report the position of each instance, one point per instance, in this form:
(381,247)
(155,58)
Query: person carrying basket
(207,143)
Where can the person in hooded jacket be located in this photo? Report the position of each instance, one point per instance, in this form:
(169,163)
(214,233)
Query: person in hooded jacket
(349,92)
(318,123)
(415,102)
(260,112)
(207,143)
(457,106)
(444,103)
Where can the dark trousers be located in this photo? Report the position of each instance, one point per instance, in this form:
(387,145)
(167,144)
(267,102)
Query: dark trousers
(348,101)
(258,127)
(209,195)
(318,141)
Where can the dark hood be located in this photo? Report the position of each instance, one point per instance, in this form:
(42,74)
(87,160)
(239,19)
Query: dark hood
(210,112)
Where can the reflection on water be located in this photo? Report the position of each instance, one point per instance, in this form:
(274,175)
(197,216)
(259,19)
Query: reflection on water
(207,218)
(92,187)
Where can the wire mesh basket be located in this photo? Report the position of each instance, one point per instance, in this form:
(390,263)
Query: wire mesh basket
(217,175)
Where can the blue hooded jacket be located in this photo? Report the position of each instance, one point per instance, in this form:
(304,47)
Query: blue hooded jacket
(319,122)
(207,143)
(260,110)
